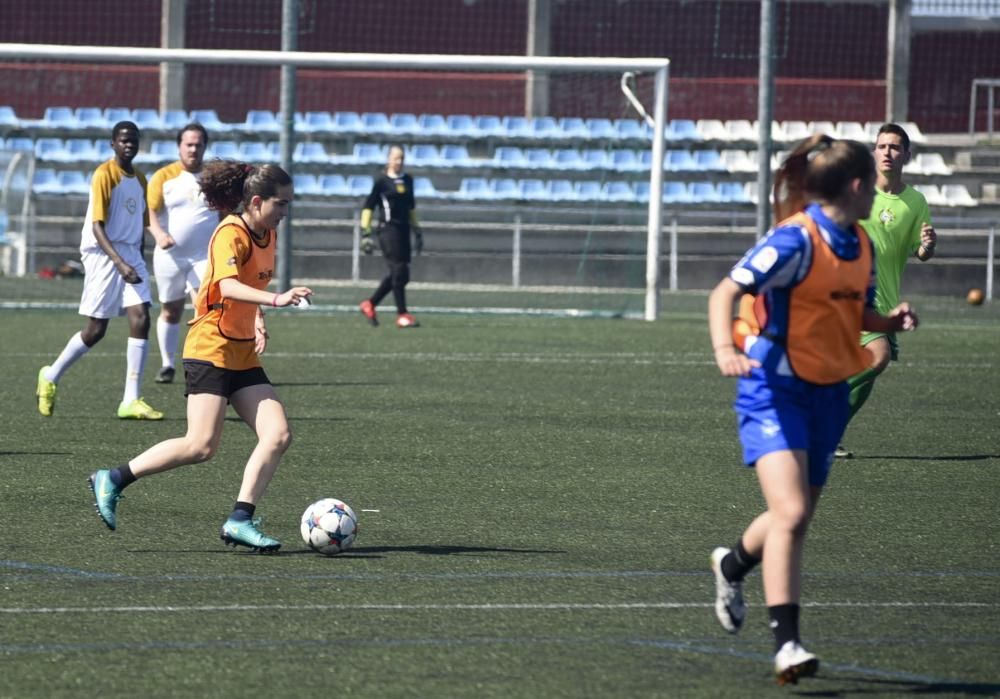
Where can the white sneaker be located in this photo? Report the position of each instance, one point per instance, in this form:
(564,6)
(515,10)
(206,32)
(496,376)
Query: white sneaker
(792,662)
(729,606)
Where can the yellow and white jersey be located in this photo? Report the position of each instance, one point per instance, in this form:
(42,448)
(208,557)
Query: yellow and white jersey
(118,199)
(174,196)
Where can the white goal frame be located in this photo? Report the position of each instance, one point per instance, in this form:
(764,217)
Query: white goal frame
(659,67)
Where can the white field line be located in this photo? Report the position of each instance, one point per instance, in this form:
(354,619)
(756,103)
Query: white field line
(516,606)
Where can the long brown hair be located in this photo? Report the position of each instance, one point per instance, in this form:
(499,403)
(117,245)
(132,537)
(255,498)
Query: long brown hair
(229,184)
(819,167)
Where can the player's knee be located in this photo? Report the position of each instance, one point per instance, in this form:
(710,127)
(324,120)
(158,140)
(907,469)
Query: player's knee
(278,439)
(201,450)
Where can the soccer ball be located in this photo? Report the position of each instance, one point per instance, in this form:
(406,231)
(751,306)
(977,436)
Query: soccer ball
(329,526)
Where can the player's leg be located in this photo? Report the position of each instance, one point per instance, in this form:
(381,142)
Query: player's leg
(171,283)
(883,350)
(259,407)
(133,406)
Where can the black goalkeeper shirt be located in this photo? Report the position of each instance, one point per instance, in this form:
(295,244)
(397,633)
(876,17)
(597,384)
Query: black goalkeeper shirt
(391,200)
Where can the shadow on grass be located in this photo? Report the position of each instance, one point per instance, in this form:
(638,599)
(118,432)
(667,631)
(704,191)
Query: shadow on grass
(894,688)
(35,453)
(921,457)
(359,551)
(279,384)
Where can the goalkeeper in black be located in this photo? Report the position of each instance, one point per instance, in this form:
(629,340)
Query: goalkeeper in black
(391,202)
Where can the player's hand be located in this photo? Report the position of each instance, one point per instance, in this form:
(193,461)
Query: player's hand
(165,242)
(128,273)
(418,242)
(292,296)
(928,237)
(260,336)
(732,362)
(367,243)
(904,317)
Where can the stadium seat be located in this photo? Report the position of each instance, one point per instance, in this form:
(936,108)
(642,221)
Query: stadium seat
(617,191)
(534,190)
(404,124)
(932,194)
(641,190)
(261,121)
(306,185)
(740,130)
(453,155)
(732,193)
(624,160)
(490,125)
(59,118)
(104,150)
(573,128)
(44,181)
(50,149)
(224,150)
(682,130)
(174,119)
(933,164)
(516,127)
(795,131)
(679,161)
(340,122)
(561,190)
(826,127)
(676,193)
(79,150)
(595,159)
(712,129)
(632,129)
(424,188)
(474,188)
(735,160)
(957,195)
(544,127)
(432,125)
(509,157)
(568,159)
(209,119)
(505,189)
(369,154)
(21,143)
(914,132)
(538,158)
(853,130)
(334,186)
(159,151)
(90,118)
(147,119)
(601,129)
(587,190)
(375,123)
(309,152)
(8,118)
(112,115)
(708,161)
(423,155)
(360,185)
(318,122)
(704,193)
(72,182)
(461,126)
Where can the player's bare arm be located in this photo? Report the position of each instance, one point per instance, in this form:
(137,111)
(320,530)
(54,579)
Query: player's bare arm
(126,270)
(928,241)
(163,239)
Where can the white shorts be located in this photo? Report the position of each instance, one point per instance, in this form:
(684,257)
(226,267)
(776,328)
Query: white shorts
(176,274)
(105,293)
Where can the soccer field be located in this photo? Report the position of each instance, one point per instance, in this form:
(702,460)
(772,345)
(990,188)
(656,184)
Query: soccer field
(537,497)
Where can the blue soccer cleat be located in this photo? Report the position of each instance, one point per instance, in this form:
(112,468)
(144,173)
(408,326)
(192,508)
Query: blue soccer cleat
(245,533)
(106,496)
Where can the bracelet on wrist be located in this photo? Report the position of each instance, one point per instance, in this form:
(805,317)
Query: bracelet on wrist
(274,301)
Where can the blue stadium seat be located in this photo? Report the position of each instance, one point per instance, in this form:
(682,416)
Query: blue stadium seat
(595,159)
(676,193)
(8,118)
(682,130)
(490,125)
(462,126)
(505,189)
(20,143)
(261,121)
(112,115)
(51,149)
(146,119)
(544,127)
(587,190)
(573,127)
(404,124)
(59,118)
(209,119)
(318,122)
(704,193)
(538,158)
(224,150)
(517,127)
(632,129)
(80,150)
(423,155)
(309,152)
(679,161)
(568,159)
(617,191)
(432,125)
(174,119)
(534,190)
(375,123)
(509,157)
(423,188)
(474,188)
(453,155)
(90,118)
(600,128)
(306,185)
(369,154)
(334,186)
(44,181)
(624,161)
(733,193)
(360,185)
(72,182)
(708,161)
(104,150)
(561,190)
(641,191)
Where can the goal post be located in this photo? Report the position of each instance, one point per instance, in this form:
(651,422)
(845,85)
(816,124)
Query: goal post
(657,67)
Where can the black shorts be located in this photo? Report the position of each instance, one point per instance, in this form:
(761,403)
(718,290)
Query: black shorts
(395,243)
(203,377)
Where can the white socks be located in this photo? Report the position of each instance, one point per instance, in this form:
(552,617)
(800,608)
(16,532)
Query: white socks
(73,350)
(167,335)
(135,364)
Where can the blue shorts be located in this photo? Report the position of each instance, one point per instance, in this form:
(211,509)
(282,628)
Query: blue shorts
(791,414)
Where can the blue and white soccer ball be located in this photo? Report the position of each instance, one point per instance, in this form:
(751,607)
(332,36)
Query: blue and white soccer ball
(329,526)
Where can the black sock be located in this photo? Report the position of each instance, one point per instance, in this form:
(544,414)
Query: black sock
(784,624)
(243,511)
(122,476)
(737,563)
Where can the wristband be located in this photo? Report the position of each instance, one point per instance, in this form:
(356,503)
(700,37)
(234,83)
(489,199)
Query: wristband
(274,301)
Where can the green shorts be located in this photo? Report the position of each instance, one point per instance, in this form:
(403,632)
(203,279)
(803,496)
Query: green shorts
(891,337)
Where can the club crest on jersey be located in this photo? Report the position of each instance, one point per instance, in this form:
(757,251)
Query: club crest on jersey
(401,187)
(231,262)
(131,205)
(764,259)
(885,216)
